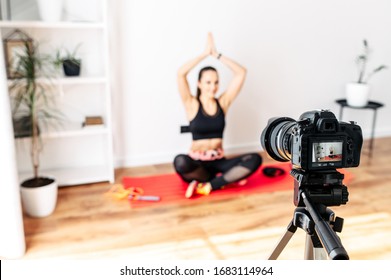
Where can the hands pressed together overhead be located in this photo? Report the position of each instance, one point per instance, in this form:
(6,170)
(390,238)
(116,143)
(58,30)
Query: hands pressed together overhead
(211,47)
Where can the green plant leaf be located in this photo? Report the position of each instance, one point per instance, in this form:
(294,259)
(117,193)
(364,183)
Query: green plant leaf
(30,99)
(362,57)
(381,67)
(365,43)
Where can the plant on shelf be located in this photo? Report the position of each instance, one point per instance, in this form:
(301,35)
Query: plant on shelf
(69,60)
(362,61)
(357,93)
(32,108)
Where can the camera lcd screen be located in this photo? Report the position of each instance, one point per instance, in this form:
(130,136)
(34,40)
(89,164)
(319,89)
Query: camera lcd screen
(326,152)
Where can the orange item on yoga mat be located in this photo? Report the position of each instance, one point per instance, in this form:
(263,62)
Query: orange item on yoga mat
(171,188)
(117,191)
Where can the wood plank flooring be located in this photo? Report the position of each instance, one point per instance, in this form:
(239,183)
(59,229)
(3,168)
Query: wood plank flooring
(88,225)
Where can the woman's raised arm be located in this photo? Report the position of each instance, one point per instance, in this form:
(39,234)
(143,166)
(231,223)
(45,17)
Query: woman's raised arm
(237,81)
(183,85)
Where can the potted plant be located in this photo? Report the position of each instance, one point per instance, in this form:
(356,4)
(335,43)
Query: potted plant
(50,10)
(357,93)
(32,108)
(69,61)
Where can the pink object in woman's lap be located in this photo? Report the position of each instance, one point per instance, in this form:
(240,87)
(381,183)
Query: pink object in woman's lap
(207,155)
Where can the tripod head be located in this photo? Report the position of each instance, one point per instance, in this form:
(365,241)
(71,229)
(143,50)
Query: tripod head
(324,187)
(314,191)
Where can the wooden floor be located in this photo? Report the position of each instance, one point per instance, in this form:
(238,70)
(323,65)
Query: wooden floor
(88,225)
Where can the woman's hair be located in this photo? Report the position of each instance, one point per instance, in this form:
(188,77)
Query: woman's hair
(207,68)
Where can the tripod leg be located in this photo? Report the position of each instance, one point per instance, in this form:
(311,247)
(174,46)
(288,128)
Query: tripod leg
(309,248)
(283,242)
(314,249)
(320,254)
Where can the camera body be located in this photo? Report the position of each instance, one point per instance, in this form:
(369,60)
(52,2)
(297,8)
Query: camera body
(316,142)
(320,142)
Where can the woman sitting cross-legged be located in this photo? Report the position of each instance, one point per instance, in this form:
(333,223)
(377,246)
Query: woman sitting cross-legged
(205,167)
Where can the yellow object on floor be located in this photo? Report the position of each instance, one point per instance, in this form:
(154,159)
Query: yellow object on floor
(133,193)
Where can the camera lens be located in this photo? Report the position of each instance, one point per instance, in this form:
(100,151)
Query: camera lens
(276,138)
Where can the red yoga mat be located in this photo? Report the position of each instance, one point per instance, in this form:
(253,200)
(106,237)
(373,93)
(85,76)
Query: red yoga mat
(171,188)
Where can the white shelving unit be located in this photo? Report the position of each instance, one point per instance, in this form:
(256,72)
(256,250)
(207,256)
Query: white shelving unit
(52,25)
(72,154)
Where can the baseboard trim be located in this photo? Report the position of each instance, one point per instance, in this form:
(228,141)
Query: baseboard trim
(158,158)
(166,157)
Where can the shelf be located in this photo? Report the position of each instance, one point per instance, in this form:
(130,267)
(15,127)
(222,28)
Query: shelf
(71,153)
(76,131)
(74,176)
(64,81)
(79,80)
(51,25)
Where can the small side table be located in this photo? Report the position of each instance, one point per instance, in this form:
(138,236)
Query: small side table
(371,105)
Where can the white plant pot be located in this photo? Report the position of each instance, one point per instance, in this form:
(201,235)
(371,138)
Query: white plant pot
(75,10)
(41,201)
(50,10)
(357,95)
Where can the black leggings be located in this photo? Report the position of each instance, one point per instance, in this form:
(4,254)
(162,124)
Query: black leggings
(233,169)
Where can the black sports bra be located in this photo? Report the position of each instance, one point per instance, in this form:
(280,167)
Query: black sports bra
(204,126)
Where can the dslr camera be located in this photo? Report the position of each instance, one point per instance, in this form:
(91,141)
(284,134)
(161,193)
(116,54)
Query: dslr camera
(317,145)
(316,142)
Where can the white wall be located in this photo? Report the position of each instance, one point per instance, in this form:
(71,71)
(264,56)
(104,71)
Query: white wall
(299,55)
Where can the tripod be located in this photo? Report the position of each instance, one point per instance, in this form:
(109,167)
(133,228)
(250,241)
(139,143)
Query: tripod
(313,193)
